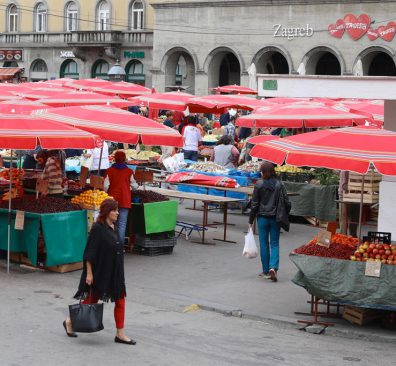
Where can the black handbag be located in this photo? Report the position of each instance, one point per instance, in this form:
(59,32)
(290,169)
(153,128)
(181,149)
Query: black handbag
(86,318)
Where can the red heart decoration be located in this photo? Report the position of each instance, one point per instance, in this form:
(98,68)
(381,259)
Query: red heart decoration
(387,33)
(337,30)
(357,27)
(372,34)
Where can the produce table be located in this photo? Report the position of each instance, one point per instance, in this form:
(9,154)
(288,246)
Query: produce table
(64,233)
(313,200)
(344,281)
(206,200)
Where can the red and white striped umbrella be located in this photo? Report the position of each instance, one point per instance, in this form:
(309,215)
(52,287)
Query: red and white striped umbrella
(88,84)
(23,132)
(234,89)
(115,124)
(20,106)
(351,148)
(80,98)
(299,115)
(175,101)
(122,89)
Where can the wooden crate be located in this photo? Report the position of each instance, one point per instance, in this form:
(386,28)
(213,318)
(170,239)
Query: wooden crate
(63,268)
(370,190)
(360,316)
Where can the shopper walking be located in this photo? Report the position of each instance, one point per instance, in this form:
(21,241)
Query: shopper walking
(271,205)
(119,181)
(103,272)
(192,139)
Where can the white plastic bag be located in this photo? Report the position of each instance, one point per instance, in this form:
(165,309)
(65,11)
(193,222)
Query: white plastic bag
(250,248)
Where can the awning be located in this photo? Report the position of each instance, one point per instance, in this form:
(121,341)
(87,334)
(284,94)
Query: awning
(9,72)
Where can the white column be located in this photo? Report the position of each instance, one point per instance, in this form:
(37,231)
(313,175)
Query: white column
(387,197)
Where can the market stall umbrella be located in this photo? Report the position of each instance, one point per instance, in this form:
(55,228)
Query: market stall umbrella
(88,84)
(260,139)
(116,125)
(21,106)
(81,98)
(175,101)
(218,103)
(234,89)
(58,82)
(7,95)
(122,89)
(281,100)
(351,148)
(42,92)
(373,109)
(23,132)
(299,115)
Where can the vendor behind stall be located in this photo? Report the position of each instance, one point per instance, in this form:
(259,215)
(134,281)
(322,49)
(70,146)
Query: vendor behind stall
(225,153)
(118,182)
(52,171)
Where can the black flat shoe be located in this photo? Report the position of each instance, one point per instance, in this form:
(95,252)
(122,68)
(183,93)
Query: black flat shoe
(72,334)
(118,340)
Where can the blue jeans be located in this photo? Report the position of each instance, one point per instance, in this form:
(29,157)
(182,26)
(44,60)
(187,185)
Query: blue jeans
(268,230)
(190,155)
(122,222)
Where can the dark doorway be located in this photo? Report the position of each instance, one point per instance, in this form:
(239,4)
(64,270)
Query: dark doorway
(328,64)
(382,65)
(230,70)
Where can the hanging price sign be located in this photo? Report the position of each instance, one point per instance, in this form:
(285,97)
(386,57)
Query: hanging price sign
(19,220)
(96,181)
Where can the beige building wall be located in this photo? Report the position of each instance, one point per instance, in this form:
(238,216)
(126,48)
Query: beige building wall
(120,14)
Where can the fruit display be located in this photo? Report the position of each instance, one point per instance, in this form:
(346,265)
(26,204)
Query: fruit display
(341,247)
(148,196)
(17,175)
(371,252)
(250,167)
(210,138)
(46,204)
(91,198)
(289,169)
(325,177)
(132,154)
(7,153)
(208,167)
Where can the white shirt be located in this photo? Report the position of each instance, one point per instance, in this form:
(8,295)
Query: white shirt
(95,153)
(192,136)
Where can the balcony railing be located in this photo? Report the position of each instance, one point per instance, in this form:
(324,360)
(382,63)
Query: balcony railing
(83,38)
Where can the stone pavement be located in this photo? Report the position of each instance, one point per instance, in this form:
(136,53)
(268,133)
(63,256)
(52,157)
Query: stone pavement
(216,277)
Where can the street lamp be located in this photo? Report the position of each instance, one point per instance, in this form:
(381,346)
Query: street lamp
(117,72)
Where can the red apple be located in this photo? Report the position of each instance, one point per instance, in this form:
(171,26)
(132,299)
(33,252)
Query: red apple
(391,257)
(375,251)
(384,256)
(380,247)
(357,254)
(359,259)
(389,261)
(388,252)
(386,247)
(372,255)
(378,257)
(383,261)
(365,255)
(372,246)
(381,251)
(364,259)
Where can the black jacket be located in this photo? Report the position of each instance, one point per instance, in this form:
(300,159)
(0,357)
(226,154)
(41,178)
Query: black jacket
(106,253)
(266,198)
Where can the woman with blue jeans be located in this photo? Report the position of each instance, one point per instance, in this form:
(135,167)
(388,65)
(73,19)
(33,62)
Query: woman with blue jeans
(268,194)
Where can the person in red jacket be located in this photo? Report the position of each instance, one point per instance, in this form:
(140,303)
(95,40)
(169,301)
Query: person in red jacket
(119,181)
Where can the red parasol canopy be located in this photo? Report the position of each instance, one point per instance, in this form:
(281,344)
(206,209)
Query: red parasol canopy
(88,84)
(373,109)
(300,115)
(234,89)
(43,92)
(353,148)
(116,125)
(22,132)
(217,103)
(20,106)
(175,101)
(7,95)
(57,82)
(260,139)
(281,100)
(78,98)
(122,89)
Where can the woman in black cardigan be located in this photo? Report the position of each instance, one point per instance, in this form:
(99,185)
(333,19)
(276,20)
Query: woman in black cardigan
(103,273)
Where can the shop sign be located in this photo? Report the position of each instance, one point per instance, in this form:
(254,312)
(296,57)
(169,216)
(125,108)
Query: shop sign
(291,32)
(67,54)
(10,55)
(324,238)
(357,27)
(373,269)
(131,54)
(19,220)
(270,84)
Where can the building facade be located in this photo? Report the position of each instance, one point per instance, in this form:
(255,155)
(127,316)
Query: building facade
(206,43)
(77,38)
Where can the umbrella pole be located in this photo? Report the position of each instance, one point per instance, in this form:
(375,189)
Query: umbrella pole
(9,219)
(361,209)
(100,160)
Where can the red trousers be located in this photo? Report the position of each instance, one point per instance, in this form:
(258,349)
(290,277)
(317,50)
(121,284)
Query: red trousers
(119,309)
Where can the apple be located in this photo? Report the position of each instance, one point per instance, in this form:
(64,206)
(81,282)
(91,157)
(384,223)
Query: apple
(386,247)
(381,251)
(353,258)
(389,261)
(384,256)
(388,252)
(378,260)
(364,259)
(378,257)
(372,246)
(361,250)
(380,247)
(372,255)
(375,251)
(383,261)
(359,259)
(369,250)
(365,255)
(391,257)
(357,254)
